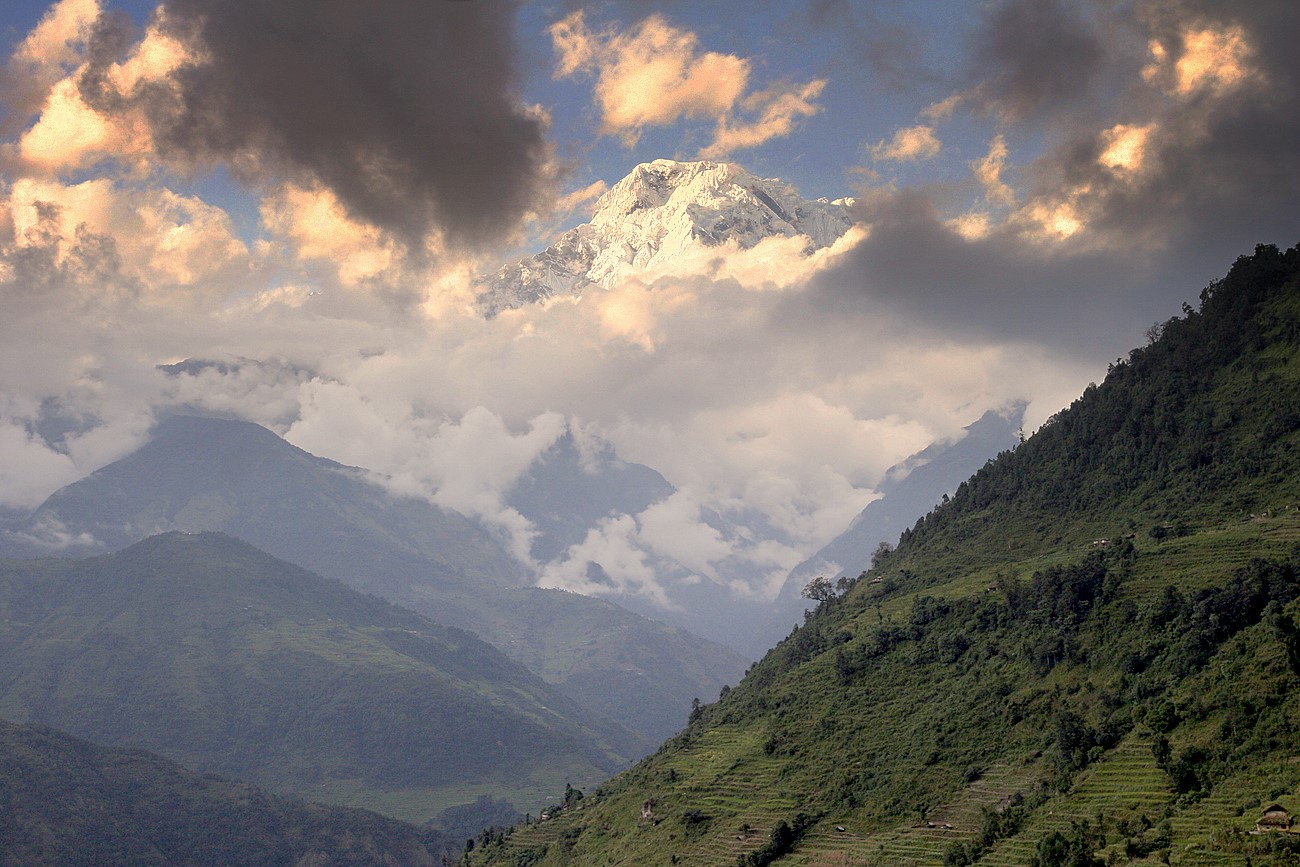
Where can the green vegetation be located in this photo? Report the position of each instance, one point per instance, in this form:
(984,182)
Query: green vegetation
(218,656)
(74,804)
(1089,655)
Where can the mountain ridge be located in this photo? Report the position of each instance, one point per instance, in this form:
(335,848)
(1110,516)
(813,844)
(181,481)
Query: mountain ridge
(71,802)
(910,490)
(657,212)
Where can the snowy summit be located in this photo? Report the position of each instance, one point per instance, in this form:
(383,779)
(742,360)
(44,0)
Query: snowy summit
(660,211)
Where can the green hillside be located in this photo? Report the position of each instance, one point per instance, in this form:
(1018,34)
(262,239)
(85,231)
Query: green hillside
(206,650)
(70,803)
(1088,656)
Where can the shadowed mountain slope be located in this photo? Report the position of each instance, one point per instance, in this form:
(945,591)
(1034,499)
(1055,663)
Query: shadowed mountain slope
(909,491)
(565,493)
(234,477)
(70,803)
(221,657)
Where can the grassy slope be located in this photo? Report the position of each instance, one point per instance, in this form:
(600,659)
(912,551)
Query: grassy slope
(1000,657)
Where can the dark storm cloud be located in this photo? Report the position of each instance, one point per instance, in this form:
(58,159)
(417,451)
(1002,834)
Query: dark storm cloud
(406,109)
(1221,174)
(1003,287)
(1230,165)
(1033,56)
(1222,167)
(894,54)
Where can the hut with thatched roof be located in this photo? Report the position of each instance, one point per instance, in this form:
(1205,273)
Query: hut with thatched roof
(1275,818)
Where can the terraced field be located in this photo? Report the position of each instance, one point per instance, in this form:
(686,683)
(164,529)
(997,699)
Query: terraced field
(1124,783)
(1214,832)
(924,842)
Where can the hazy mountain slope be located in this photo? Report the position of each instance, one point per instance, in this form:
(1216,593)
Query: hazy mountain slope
(662,212)
(214,654)
(568,491)
(239,478)
(565,493)
(69,802)
(1090,655)
(614,662)
(909,490)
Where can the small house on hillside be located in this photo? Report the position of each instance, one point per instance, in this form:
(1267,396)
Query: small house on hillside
(1275,818)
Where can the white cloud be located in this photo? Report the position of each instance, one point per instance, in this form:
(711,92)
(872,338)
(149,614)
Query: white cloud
(1125,146)
(47,54)
(674,528)
(613,545)
(29,468)
(655,74)
(572,201)
(464,464)
(988,171)
(778,110)
(652,75)
(164,239)
(69,134)
(909,145)
(1202,59)
(318,228)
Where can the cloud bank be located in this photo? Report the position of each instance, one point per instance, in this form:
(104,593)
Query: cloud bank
(1115,175)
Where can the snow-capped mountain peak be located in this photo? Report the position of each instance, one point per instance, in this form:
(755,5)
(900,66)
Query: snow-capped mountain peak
(661,210)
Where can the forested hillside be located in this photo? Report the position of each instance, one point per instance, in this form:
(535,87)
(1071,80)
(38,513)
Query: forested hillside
(69,803)
(1088,656)
(216,655)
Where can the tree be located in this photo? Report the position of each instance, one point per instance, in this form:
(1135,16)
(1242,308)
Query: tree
(819,589)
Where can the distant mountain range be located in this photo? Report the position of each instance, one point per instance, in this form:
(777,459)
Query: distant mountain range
(235,477)
(186,611)
(200,473)
(658,213)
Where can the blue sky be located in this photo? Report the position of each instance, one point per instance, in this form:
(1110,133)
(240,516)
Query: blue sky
(307,188)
